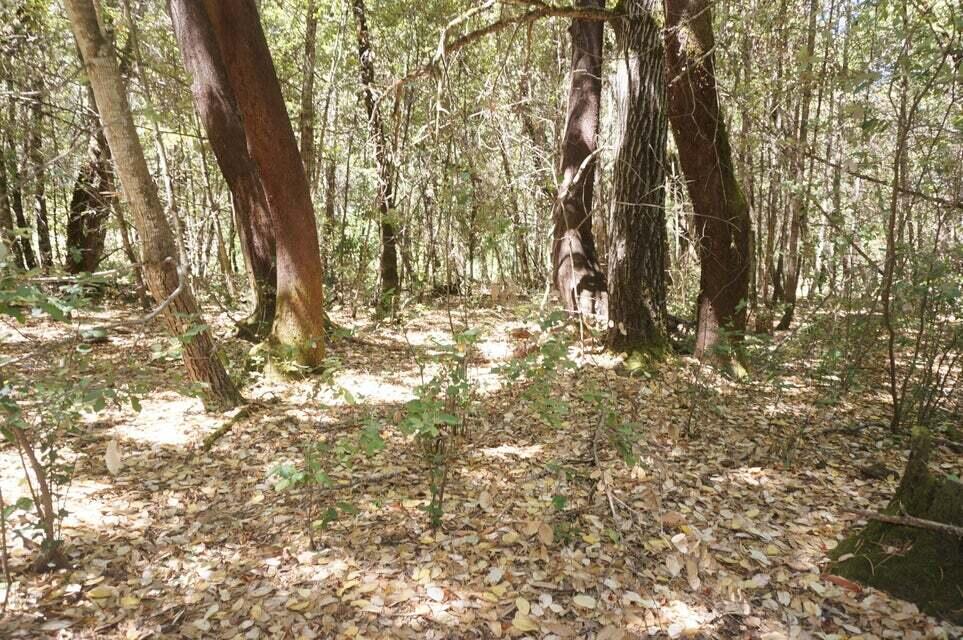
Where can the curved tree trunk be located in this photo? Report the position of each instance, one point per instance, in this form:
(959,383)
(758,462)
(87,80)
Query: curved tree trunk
(217,107)
(164,276)
(721,212)
(637,236)
(390,279)
(577,275)
(91,202)
(299,320)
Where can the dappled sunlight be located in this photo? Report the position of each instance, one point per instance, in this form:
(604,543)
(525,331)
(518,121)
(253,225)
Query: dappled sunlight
(168,419)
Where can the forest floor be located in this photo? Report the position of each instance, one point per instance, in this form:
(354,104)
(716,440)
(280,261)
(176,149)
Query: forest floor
(721,529)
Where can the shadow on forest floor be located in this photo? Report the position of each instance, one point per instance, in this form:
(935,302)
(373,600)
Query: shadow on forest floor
(720,530)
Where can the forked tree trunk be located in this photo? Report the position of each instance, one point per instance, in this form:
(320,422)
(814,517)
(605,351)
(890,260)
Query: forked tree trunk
(577,275)
(721,212)
(637,233)
(163,275)
(91,202)
(218,110)
(385,203)
(299,320)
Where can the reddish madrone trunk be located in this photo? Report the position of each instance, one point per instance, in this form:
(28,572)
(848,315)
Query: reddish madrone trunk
(299,321)
(578,278)
(217,107)
(721,212)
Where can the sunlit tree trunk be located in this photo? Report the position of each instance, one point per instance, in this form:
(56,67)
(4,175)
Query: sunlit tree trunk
(637,235)
(23,247)
(299,320)
(6,216)
(217,107)
(577,275)
(390,279)
(721,212)
(164,276)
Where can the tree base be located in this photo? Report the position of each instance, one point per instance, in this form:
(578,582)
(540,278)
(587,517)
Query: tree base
(919,565)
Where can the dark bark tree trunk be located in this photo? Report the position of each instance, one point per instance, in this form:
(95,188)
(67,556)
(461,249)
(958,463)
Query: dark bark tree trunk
(38,167)
(91,202)
(637,233)
(721,212)
(299,321)
(23,245)
(217,107)
(385,203)
(164,276)
(576,272)
(306,117)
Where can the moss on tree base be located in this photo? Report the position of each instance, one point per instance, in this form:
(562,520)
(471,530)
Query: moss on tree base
(919,565)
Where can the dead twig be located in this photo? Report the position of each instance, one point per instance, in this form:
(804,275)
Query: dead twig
(912,521)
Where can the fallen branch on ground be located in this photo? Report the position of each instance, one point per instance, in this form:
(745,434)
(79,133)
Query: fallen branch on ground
(911,521)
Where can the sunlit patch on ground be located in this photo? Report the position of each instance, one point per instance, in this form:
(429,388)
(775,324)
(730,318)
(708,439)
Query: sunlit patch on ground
(720,531)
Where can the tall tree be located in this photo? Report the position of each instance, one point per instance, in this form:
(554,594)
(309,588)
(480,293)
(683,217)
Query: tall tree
(164,276)
(299,320)
(306,116)
(23,247)
(219,113)
(7,238)
(799,204)
(637,234)
(385,201)
(39,173)
(721,212)
(91,201)
(577,275)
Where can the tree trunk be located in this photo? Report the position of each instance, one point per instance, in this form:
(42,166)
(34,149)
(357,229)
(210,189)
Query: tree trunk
(91,202)
(798,209)
(38,164)
(390,280)
(637,236)
(23,247)
(217,107)
(721,212)
(7,238)
(164,276)
(577,275)
(306,117)
(299,319)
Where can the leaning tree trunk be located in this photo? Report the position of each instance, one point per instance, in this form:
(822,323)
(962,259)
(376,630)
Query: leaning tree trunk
(637,233)
(299,320)
(164,276)
(91,202)
(217,107)
(390,280)
(577,275)
(721,211)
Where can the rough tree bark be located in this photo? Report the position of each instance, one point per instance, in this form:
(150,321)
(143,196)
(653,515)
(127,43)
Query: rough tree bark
(299,320)
(162,272)
(6,217)
(577,275)
(637,234)
(385,202)
(721,212)
(219,113)
(91,201)
(23,247)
